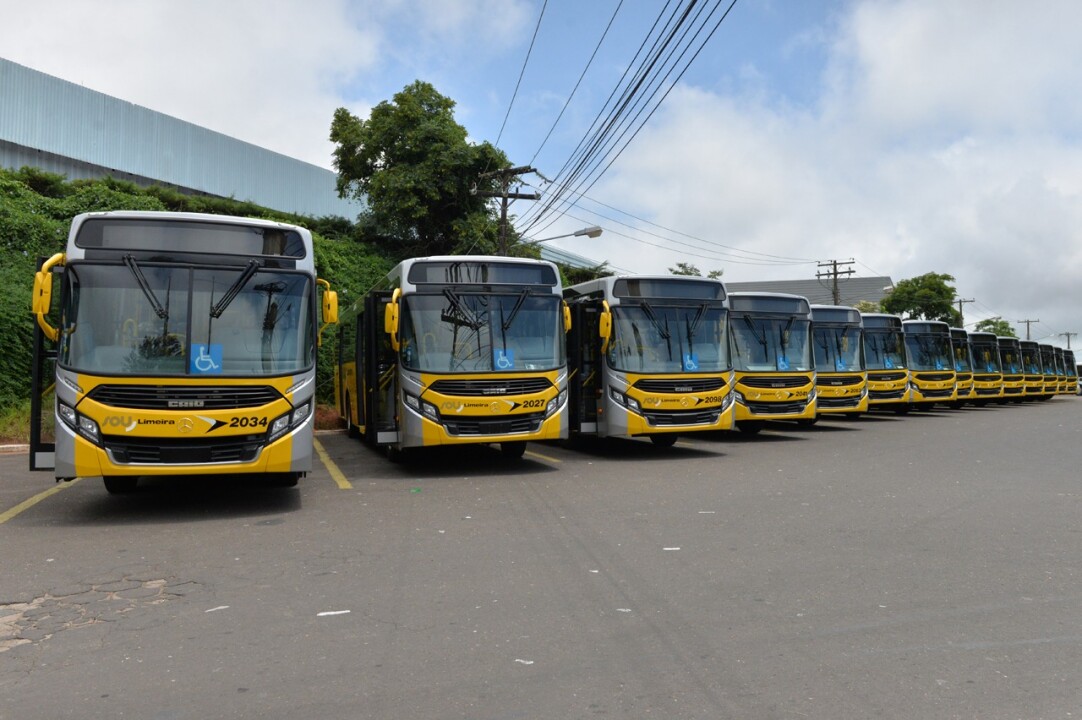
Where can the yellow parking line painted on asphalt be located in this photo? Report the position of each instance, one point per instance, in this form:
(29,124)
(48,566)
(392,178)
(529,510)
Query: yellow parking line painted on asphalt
(27,504)
(336,474)
(533,454)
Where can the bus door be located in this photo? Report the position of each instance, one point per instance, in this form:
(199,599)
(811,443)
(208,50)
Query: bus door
(43,370)
(42,401)
(584,365)
(380,374)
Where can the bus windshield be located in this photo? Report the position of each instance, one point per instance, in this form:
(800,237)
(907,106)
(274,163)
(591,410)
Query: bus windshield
(986,358)
(771,344)
(837,349)
(458,331)
(664,338)
(961,357)
(884,350)
(145,319)
(928,352)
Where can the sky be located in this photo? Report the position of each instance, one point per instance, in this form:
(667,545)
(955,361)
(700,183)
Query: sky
(905,136)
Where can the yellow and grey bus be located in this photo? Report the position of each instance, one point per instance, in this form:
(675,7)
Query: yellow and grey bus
(884,354)
(932,378)
(1071,368)
(841,378)
(648,355)
(1031,363)
(772,359)
(1051,369)
(1064,387)
(185,344)
(456,350)
(987,372)
(963,366)
(1014,372)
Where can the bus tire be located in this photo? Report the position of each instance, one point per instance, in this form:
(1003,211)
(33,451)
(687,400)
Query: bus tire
(283,480)
(513,450)
(120,484)
(351,430)
(397,455)
(902,410)
(665,440)
(807,422)
(749,427)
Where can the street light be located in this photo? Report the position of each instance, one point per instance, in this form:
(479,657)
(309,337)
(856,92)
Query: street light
(590,232)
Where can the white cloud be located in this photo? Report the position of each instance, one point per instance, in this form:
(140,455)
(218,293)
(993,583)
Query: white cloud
(946,140)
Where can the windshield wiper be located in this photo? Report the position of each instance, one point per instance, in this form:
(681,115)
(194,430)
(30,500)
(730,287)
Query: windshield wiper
(760,336)
(234,289)
(145,287)
(463,317)
(514,311)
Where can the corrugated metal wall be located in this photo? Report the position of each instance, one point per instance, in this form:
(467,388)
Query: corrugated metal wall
(52,119)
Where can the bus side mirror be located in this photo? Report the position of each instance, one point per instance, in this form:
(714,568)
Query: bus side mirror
(42,299)
(567,318)
(390,318)
(604,326)
(330,307)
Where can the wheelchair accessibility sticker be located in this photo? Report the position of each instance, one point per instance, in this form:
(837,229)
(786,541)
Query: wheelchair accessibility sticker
(503,359)
(691,362)
(206,359)
(783,362)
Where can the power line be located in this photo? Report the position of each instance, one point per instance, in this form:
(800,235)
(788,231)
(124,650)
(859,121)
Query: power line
(577,83)
(522,72)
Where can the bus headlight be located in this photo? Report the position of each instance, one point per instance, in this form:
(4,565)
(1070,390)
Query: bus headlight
(79,423)
(625,401)
(727,401)
(419,406)
(292,419)
(555,404)
(738,397)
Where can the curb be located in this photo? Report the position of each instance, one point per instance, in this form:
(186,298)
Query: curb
(10,449)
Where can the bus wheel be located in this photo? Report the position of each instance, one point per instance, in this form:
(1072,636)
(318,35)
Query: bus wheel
(666,440)
(396,454)
(351,430)
(749,428)
(901,410)
(807,422)
(513,450)
(283,480)
(120,484)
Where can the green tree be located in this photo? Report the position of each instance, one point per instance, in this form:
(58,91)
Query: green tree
(683,268)
(926,297)
(421,180)
(867,306)
(997,326)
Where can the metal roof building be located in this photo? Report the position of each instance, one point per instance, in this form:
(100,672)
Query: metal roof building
(64,128)
(851,290)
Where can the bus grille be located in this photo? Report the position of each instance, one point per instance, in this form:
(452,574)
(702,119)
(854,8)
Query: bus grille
(690,385)
(987,378)
(886,394)
(154,451)
(177,397)
(838,381)
(777,408)
(886,377)
(933,377)
(930,394)
(491,387)
(780,381)
(509,425)
(825,402)
(685,417)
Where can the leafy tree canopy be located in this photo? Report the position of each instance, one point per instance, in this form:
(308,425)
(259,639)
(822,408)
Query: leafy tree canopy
(996,325)
(421,180)
(926,297)
(867,306)
(683,268)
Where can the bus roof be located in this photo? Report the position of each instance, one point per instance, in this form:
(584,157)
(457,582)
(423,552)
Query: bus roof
(769,302)
(835,314)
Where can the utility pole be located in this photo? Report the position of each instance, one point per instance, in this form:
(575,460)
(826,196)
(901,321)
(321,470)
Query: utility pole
(1069,335)
(961,318)
(505,177)
(834,272)
(1028,323)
